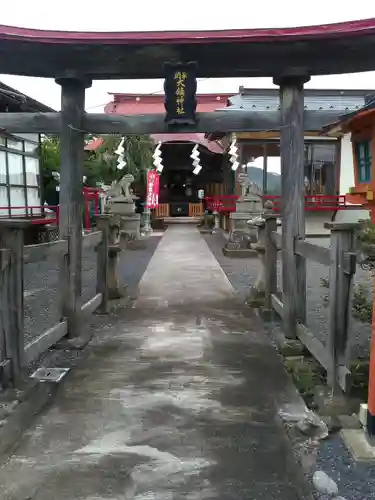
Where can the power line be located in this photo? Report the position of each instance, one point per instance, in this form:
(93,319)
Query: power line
(96,106)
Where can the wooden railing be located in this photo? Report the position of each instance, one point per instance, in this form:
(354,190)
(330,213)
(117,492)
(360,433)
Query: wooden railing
(162,210)
(340,258)
(15,355)
(196,209)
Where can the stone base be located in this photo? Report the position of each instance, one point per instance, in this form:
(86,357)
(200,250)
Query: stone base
(137,243)
(130,223)
(118,293)
(267,315)
(121,207)
(147,232)
(239,245)
(255,298)
(358,444)
(78,343)
(207,224)
(158,224)
(249,205)
(291,347)
(242,253)
(337,404)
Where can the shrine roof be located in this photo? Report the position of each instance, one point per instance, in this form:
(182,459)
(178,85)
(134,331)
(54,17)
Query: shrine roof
(159,97)
(316,50)
(143,104)
(18,101)
(342,124)
(212,146)
(338,100)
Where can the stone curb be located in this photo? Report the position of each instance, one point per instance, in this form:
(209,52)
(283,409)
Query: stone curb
(291,408)
(34,398)
(244,253)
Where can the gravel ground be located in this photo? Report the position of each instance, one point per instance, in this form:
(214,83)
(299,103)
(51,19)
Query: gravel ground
(42,300)
(242,274)
(356,481)
(41,283)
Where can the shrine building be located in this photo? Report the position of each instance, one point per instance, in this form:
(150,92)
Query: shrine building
(326,157)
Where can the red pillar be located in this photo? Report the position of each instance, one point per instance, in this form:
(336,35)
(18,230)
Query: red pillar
(96,202)
(371,383)
(87,211)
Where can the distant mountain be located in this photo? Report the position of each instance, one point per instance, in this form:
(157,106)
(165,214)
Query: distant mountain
(255,174)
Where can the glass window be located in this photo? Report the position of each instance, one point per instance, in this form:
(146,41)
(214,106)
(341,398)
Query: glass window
(33,201)
(14,144)
(4,202)
(17,201)
(3,167)
(16,170)
(32,171)
(324,153)
(32,148)
(15,165)
(30,137)
(319,176)
(364,161)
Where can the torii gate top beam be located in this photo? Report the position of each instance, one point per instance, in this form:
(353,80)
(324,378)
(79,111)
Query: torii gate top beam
(313,50)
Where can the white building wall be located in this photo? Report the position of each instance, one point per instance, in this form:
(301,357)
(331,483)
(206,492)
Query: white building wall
(346,165)
(347,181)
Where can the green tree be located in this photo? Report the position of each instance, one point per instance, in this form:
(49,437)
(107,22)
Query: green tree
(138,151)
(99,165)
(49,163)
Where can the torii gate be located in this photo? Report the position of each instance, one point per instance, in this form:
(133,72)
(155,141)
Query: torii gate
(291,56)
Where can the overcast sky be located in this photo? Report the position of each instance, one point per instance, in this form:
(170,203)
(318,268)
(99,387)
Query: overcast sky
(163,15)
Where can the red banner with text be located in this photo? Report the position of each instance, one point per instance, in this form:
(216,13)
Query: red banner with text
(152,200)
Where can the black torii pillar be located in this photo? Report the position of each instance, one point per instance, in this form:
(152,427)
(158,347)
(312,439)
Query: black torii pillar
(71,198)
(292,198)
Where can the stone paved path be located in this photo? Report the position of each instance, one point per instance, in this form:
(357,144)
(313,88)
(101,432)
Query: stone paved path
(176,399)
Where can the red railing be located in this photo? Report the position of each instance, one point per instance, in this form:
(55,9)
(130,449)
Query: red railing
(221,203)
(317,203)
(39,216)
(35,213)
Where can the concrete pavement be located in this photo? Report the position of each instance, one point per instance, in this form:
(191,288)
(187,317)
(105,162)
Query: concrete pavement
(178,398)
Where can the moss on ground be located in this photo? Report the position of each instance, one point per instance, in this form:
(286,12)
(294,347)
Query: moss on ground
(307,374)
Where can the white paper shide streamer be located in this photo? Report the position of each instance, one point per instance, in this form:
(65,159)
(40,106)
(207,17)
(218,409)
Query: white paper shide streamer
(121,163)
(195,157)
(158,163)
(233,153)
